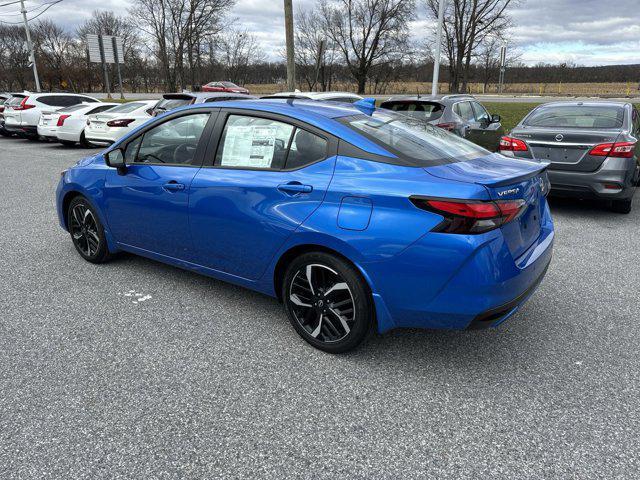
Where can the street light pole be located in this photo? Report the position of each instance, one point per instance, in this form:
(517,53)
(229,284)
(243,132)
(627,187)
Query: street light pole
(32,55)
(436,60)
(291,63)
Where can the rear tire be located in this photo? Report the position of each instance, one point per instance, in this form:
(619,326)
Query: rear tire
(621,206)
(84,143)
(87,233)
(327,302)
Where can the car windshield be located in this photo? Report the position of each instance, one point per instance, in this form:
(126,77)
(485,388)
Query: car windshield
(415,141)
(577,116)
(126,107)
(229,84)
(420,110)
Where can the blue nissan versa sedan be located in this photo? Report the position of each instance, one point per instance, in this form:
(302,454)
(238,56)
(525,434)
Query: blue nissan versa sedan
(350,215)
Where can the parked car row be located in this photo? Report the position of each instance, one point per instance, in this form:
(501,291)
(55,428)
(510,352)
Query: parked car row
(591,148)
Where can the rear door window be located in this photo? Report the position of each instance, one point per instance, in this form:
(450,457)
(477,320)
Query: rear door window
(170,103)
(254,142)
(577,116)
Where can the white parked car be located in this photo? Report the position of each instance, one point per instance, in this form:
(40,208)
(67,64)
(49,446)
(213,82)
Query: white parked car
(107,127)
(342,97)
(23,118)
(67,124)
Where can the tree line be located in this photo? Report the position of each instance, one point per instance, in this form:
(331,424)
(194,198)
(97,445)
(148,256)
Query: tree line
(367,45)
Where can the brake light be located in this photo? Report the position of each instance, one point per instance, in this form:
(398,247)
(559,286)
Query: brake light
(468,216)
(617,150)
(61,120)
(120,123)
(24,105)
(510,144)
(447,126)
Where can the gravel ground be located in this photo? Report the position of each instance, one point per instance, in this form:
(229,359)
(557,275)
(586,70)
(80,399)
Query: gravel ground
(207,380)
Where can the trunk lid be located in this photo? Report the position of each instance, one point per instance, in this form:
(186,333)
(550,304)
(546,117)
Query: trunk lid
(507,179)
(49,118)
(566,149)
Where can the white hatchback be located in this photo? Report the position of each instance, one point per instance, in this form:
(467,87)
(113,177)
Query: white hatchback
(109,126)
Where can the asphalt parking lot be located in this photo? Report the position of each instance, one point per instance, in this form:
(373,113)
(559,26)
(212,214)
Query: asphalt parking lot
(134,369)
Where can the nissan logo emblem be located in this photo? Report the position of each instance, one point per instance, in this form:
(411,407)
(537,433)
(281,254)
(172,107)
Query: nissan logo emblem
(559,137)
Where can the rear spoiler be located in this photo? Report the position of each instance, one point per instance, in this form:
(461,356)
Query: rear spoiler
(520,178)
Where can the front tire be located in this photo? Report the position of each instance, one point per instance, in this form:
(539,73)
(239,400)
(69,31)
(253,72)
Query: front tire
(87,233)
(327,302)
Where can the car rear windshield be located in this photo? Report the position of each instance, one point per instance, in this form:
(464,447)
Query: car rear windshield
(229,84)
(171,103)
(420,110)
(126,107)
(73,108)
(577,116)
(414,141)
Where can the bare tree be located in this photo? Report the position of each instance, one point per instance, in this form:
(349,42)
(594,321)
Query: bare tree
(55,49)
(315,51)
(178,27)
(367,32)
(466,24)
(239,49)
(13,58)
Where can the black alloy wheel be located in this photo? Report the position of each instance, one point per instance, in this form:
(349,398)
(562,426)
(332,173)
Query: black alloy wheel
(86,231)
(328,302)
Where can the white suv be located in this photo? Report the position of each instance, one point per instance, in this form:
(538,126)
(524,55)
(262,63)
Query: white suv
(22,118)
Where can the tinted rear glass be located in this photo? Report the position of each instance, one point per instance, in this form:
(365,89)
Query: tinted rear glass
(420,110)
(15,100)
(415,141)
(72,108)
(171,103)
(577,116)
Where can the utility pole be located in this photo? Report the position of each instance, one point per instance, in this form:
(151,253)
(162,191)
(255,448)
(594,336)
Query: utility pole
(291,63)
(436,60)
(32,55)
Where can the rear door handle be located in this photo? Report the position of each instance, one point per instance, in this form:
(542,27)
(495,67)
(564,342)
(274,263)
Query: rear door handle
(294,188)
(173,186)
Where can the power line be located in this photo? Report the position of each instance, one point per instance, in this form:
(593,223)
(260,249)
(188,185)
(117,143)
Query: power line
(48,6)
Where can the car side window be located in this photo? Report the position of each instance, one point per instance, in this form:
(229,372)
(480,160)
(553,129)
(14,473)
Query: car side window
(306,148)
(253,142)
(173,142)
(464,110)
(481,114)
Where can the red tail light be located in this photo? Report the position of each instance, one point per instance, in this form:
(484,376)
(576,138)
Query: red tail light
(447,126)
(617,150)
(24,105)
(120,123)
(61,120)
(509,144)
(470,217)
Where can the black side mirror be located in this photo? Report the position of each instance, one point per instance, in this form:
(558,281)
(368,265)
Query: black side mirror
(115,159)
(496,119)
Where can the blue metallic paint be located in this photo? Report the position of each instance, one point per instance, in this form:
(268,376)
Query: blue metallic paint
(235,225)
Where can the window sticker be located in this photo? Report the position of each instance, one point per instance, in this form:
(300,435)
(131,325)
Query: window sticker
(249,146)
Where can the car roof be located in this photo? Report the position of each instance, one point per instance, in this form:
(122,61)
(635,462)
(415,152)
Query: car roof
(447,99)
(318,114)
(204,95)
(590,103)
(312,95)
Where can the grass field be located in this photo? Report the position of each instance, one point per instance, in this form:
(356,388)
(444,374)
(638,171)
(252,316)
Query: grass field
(621,89)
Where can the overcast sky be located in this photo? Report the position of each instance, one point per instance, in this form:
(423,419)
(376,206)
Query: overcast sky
(589,32)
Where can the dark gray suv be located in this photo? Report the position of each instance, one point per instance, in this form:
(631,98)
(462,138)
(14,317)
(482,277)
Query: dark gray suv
(461,114)
(591,147)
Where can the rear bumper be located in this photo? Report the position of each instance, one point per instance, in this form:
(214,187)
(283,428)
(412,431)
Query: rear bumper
(68,135)
(21,129)
(614,171)
(458,281)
